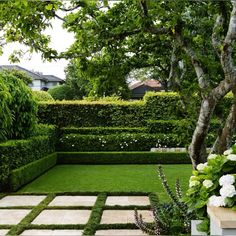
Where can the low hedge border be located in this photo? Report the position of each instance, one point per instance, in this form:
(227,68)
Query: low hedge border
(123,158)
(27,173)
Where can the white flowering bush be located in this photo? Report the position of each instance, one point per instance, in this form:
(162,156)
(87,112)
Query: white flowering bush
(213,184)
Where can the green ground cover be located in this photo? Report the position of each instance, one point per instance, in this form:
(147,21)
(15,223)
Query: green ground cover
(108,178)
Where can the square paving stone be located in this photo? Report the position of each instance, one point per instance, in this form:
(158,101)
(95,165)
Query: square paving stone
(12,216)
(52,232)
(124,216)
(127,200)
(73,201)
(3,232)
(120,232)
(21,200)
(58,217)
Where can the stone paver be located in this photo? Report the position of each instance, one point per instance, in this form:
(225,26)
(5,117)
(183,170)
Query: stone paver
(46,232)
(3,232)
(127,200)
(136,232)
(124,216)
(73,201)
(20,200)
(12,216)
(62,217)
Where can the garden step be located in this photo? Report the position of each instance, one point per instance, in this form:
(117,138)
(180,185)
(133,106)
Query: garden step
(62,217)
(124,216)
(21,200)
(12,216)
(46,232)
(136,232)
(127,200)
(73,201)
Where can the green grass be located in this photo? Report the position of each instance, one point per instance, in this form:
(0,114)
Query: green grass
(108,178)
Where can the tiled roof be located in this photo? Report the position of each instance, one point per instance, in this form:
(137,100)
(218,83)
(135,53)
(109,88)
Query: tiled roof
(149,83)
(53,78)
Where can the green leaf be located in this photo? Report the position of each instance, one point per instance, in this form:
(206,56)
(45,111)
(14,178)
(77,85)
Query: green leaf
(49,7)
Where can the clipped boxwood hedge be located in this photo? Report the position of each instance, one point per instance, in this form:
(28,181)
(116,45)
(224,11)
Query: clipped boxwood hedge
(27,173)
(123,158)
(92,114)
(117,142)
(102,130)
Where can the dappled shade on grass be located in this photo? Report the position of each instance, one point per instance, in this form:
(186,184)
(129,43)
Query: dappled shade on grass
(108,178)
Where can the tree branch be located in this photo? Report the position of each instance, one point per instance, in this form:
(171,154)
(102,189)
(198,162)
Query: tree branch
(72,8)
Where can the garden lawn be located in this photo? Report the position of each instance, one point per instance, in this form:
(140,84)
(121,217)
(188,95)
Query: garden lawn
(108,178)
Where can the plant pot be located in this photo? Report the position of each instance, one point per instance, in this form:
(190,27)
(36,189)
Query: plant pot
(194,230)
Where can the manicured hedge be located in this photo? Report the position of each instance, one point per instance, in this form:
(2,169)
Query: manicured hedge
(27,173)
(92,114)
(102,130)
(123,158)
(117,142)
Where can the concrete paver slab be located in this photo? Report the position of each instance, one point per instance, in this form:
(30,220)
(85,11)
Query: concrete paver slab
(12,216)
(48,217)
(3,232)
(46,232)
(117,232)
(21,200)
(124,216)
(73,201)
(127,200)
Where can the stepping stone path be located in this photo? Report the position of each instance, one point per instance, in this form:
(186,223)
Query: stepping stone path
(60,211)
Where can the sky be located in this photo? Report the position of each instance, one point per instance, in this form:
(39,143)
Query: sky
(61,40)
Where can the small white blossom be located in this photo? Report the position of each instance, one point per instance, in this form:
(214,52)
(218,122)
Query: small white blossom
(207,183)
(227,152)
(216,201)
(226,180)
(192,178)
(193,183)
(231,157)
(227,191)
(153,150)
(212,156)
(201,167)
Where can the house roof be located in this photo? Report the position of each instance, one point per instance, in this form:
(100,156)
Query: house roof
(53,78)
(33,75)
(149,83)
(30,73)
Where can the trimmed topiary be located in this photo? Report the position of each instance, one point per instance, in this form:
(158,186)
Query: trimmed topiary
(41,96)
(63,92)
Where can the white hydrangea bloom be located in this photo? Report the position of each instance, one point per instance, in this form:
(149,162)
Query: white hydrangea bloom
(212,156)
(207,183)
(193,183)
(216,201)
(201,167)
(227,152)
(192,178)
(227,191)
(231,157)
(226,180)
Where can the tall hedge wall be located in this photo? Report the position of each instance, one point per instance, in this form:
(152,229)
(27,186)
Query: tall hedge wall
(156,106)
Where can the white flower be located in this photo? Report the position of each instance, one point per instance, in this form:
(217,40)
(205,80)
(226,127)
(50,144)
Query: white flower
(212,156)
(201,167)
(207,183)
(226,180)
(192,178)
(231,157)
(153,149)
(216,201)
(193,183)
(227,152)
(227,191)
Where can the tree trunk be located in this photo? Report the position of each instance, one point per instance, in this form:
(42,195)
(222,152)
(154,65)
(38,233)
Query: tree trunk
(197,148)
(224,138)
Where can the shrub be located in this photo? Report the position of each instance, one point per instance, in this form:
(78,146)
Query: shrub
(17,153)
(22,106)
(42,96)
(91,114)
(102,130)
(27,173)
(63,92)
(123,158)
(5,112)
(23,76)
(117,142)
